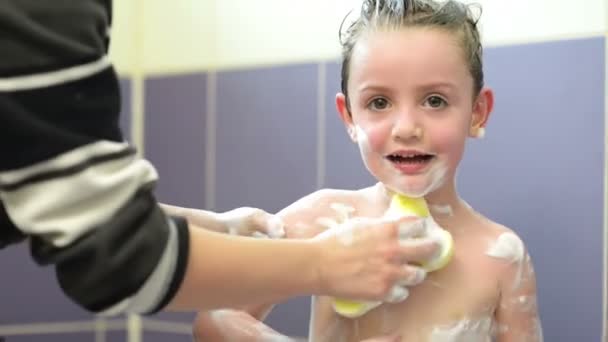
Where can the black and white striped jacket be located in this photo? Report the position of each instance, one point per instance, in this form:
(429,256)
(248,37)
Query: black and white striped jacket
(69,183)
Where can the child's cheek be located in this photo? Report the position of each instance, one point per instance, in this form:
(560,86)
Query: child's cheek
(374,138)
(448,142)
(447,139)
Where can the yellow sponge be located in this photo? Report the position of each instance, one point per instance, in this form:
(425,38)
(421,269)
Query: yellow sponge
(405,206)
(408,206)
(352,308)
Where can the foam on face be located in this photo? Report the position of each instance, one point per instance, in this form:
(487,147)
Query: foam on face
(435,175)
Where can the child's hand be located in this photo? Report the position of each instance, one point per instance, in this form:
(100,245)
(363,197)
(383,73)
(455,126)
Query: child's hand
(363,258)
(255,222)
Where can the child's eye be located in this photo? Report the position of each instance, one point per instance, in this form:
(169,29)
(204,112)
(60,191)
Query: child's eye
(379,103)
(435,101)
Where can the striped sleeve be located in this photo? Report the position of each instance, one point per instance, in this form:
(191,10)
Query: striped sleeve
(68,180)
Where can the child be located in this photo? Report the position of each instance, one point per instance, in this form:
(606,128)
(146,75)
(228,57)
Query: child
(412,92)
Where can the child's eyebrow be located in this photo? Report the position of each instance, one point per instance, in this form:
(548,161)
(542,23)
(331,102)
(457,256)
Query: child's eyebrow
(426,86)
(441,84)
(374,88)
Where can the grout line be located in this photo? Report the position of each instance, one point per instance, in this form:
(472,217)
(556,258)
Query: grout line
(138,83)
(134,328)
(137,113)
(58,327)
(100,329)
(210,150)
(321,116)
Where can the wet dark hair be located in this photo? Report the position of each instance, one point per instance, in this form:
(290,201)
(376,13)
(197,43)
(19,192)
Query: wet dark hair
(450,15)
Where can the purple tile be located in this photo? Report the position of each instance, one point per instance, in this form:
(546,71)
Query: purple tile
(175,143)
(117,336)
(266,136)
(540,171)
(175,136)
(125,115)
(266,149)
(31,293)
(181,317)
(291,318)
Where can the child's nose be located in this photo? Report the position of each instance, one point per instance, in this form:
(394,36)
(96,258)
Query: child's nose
(406,126)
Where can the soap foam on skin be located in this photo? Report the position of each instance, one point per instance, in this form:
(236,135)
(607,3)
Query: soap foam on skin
(301,226)
(236,226)
(509,247)
(345,234)
(442,209)
(344,211)
(435,176)
(465,330)
(526,303)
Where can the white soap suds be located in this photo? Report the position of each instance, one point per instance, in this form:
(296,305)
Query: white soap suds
(344,211)
(442,209)
(509,247)
(465,330)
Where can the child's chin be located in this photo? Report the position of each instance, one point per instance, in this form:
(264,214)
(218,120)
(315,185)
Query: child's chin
(412,187)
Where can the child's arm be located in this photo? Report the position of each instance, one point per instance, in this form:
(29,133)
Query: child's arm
(235,325)
(247,324)
(243,221)
(325,325)
(517,313)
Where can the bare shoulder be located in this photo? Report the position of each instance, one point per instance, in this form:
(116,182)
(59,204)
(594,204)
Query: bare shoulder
(319,201)
(309,215)
(504,244)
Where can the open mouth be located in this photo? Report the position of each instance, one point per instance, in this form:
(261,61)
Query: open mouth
(410,158)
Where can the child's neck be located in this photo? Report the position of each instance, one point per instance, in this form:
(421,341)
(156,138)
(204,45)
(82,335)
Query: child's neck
(443,202)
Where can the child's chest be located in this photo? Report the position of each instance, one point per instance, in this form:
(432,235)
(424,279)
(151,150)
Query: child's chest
(452,305)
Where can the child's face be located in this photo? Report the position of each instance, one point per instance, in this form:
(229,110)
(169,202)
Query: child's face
(412,107)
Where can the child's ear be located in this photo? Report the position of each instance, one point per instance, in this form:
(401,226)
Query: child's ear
(484,103)
(347,119)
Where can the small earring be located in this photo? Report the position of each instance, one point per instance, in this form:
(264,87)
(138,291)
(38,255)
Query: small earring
(352,133)
(480,132)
